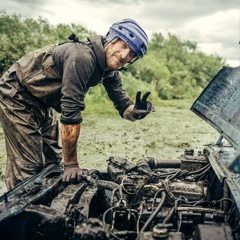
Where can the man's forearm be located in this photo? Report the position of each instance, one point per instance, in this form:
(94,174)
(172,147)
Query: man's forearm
(69,135)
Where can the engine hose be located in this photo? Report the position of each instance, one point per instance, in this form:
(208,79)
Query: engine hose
(102,184)
(169,215)
(203,172)
(144,165)
(199,170)
(154,164)
(107,185)
(112,196)
(156,211)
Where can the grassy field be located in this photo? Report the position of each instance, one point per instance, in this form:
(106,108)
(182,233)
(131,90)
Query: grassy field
(164,134)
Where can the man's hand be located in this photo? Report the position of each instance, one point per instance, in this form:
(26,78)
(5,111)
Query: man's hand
(72,173)
(142,107)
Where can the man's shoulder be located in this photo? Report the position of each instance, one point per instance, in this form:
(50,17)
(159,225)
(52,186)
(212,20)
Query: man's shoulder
(74,50)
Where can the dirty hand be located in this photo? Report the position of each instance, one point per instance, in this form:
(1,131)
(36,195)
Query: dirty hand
(142,107)
(72,173)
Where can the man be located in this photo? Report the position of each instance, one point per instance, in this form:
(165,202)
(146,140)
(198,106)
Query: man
(57,78)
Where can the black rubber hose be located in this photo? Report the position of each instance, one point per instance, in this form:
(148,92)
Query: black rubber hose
(156,211)
(102,184)
(107,184)
(155,164)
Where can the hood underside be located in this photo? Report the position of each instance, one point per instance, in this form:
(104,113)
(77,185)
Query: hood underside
(219,104)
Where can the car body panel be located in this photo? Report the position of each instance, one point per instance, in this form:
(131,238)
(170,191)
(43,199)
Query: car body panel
(219,104)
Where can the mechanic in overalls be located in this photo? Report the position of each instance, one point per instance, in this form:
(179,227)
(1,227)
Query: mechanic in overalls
(57,78)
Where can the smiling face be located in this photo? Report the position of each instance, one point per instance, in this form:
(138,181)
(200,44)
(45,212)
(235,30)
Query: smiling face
(118,53)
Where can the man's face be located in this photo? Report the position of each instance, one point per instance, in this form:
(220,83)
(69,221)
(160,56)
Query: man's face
(117,54)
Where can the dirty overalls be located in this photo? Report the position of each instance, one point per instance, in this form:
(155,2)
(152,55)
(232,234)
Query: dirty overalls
(30,128)
(49,79)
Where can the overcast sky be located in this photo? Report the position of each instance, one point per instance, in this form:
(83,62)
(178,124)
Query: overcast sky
(213,24)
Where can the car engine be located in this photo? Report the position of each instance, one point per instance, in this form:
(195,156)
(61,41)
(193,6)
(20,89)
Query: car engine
(152,199)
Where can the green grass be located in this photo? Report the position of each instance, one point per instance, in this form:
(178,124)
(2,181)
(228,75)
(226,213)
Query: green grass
(163,134)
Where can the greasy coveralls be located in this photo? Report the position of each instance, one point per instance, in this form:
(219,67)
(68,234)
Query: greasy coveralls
(54,78)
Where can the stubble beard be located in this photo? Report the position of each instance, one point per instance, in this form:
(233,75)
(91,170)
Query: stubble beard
(113,59)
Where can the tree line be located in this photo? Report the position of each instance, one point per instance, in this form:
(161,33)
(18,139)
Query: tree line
(172,68)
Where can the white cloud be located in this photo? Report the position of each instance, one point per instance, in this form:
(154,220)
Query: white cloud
(95,17)
(214,24)
(217,33)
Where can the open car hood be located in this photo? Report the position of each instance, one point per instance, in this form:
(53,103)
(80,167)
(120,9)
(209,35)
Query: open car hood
(219,104)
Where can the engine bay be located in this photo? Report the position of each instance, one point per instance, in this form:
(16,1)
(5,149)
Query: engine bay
(194,197)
